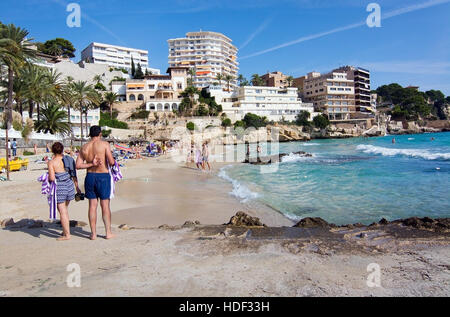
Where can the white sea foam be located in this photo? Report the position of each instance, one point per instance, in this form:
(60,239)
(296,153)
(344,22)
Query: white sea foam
(417,153)
(240,191)
(310,144)
(294,158)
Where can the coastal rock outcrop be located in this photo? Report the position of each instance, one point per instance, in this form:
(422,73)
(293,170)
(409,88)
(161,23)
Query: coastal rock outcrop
(271,159)
(313,223)
(7,222)
(437,225)
(241,219)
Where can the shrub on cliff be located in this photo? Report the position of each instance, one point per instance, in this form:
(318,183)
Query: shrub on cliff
(321,121)
(190,126)
(226,122)
(107,121)
(255,121)
(302,118)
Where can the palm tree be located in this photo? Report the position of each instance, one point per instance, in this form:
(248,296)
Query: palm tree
(219,77)
(84,95)
(68,97)
(192,73)
(290,80)
(190,92)
(15,50)
(111,98)
(257,81)
(53,120)
(98,79)
(228,79)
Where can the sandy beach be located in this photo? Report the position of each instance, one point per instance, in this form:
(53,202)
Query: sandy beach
(206,259)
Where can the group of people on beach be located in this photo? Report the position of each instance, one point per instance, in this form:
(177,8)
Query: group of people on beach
(96,157)
(200,156)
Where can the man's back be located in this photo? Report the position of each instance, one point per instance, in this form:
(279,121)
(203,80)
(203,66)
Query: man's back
(96,149)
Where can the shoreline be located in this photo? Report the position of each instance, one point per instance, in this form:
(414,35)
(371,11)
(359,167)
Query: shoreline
(174,256)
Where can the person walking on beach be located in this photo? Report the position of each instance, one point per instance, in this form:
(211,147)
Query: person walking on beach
(94,156)
(205,154)
(65,190)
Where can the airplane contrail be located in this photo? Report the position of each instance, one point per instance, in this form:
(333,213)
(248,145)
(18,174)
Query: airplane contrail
(93,21)
(388,15)
(261,28)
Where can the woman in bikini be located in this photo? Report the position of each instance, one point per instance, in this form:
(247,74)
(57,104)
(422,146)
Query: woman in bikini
(65,189)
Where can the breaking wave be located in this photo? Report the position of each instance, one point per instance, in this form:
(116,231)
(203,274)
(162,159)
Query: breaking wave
(239,191)
(416,153)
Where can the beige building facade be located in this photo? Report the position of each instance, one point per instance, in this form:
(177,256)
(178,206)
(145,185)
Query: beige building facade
(332,93)
(158,92)
(275,79)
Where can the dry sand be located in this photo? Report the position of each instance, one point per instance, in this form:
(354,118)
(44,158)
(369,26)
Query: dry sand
(199,261)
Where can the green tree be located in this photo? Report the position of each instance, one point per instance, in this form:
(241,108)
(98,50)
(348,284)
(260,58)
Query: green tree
(302,118)
(53,120)
(226,122)
(133,68)
(321,121)
(191,72)
(242,81)
(253,120)
(58,47)
(111,98)
(139,74)
(239,124)
(290,80)
(85,96)
(219,78)
(228,79)
(257,80)
(15,51)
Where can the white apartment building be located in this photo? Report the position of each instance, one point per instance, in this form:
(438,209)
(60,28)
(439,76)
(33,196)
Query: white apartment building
(277,104)
(116,56)
(332,93)
(208,54)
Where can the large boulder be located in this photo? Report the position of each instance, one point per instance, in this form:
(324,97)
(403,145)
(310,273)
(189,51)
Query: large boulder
(241,219)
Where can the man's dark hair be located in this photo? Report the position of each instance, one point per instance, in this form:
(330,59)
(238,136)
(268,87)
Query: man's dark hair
(95,131)
(57,148)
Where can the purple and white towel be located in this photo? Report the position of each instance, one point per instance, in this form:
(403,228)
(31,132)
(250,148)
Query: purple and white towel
(49,189)
(116,175)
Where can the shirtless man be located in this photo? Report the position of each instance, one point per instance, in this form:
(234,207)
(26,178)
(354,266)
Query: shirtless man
(94,156)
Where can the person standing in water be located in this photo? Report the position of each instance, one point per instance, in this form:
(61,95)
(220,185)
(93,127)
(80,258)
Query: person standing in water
(65,190)
(94,156)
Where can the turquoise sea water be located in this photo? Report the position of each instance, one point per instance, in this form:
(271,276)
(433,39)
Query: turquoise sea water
(354,180)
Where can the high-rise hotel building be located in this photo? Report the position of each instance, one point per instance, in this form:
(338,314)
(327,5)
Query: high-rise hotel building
(208,54)
(116,56)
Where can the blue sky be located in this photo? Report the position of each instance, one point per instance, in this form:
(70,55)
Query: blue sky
(293,36)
